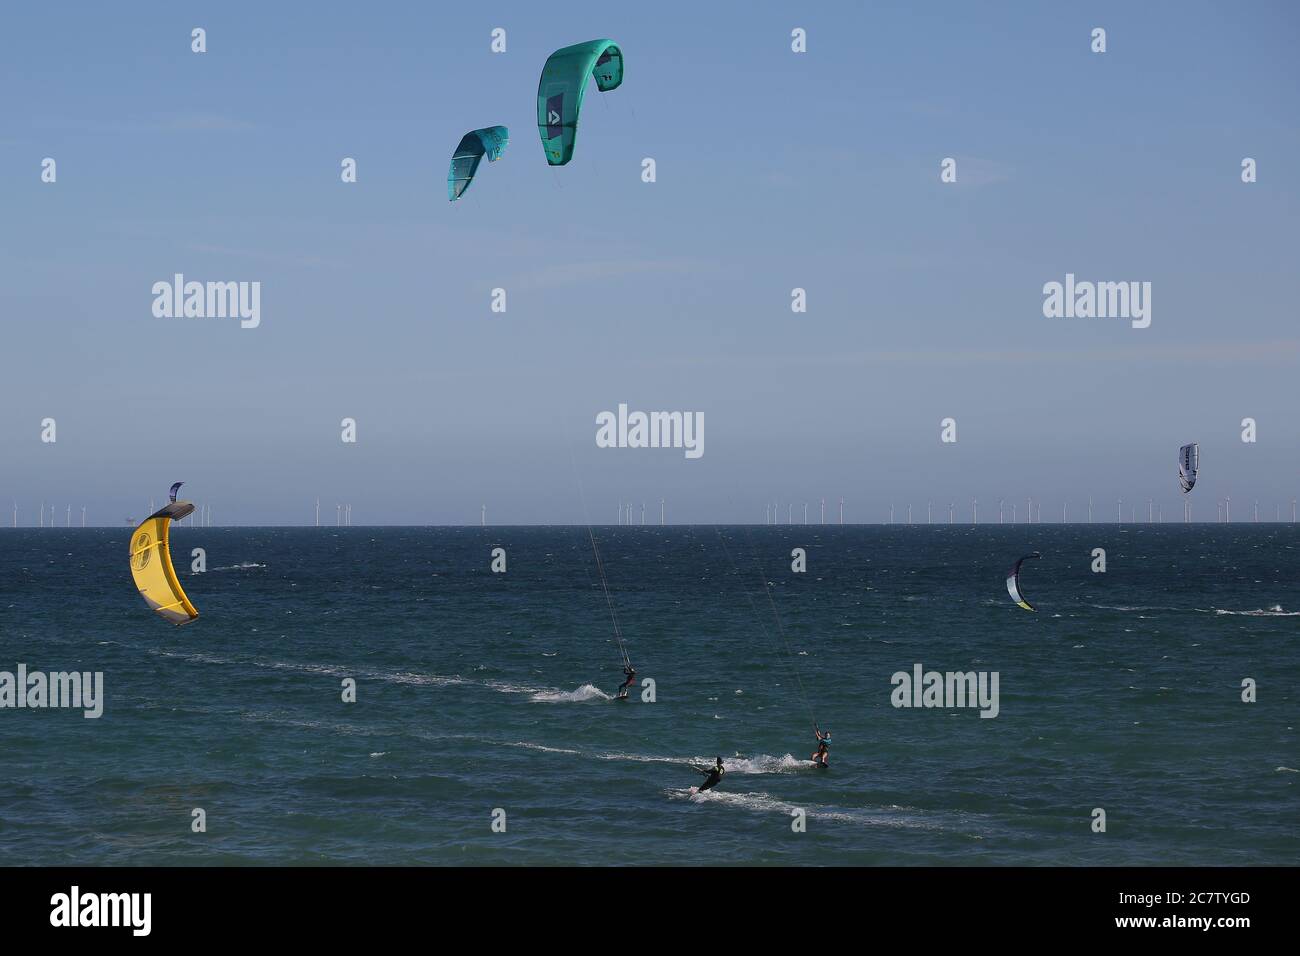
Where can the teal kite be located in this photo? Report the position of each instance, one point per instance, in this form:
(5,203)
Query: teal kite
(490,142)
(559,93)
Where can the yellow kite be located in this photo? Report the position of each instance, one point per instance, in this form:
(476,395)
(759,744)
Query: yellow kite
(151,562)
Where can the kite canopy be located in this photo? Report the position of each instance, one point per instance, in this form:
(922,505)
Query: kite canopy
(1189,463)
(559,93)
(490,142)
(1013,582)
(151,565)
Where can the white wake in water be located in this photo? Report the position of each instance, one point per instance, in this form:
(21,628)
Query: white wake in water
(543,748)
(761,763)
(766,803)
(540,694)
(583,693)
(738,764)
(1274,611)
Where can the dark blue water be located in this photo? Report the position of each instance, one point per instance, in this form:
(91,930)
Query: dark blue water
(479,691)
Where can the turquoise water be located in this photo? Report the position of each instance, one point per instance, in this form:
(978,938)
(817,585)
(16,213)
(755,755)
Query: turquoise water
(478,691)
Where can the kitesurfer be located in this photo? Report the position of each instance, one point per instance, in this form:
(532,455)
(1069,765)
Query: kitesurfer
(711,775)
(823,746)
(629,672)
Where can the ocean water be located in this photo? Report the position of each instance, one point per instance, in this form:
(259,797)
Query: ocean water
(479,692)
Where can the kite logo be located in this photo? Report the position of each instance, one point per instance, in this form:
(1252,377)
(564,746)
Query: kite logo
(554,113)
(142,550)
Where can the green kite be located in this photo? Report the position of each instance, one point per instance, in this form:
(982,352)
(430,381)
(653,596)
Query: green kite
(559,93)
(490,142)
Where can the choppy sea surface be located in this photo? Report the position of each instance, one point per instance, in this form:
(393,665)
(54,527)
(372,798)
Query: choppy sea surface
(479,692)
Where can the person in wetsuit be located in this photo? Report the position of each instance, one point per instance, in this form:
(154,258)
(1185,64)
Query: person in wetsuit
(629,673)
(823,746)
(711,775)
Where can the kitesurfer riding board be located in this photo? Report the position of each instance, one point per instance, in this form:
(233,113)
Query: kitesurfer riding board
(822,754)
(629,672)
(629,675)
(712,775)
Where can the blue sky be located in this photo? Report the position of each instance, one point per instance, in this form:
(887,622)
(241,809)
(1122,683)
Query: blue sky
(775,170)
